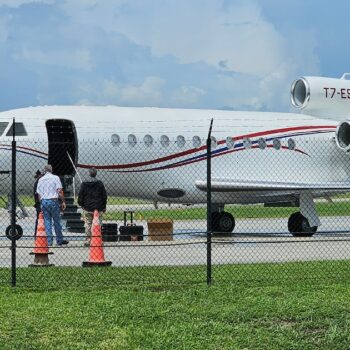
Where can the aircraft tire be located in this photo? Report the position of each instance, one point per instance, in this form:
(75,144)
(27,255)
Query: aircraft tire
(18,233)
(298,226)
(223,222)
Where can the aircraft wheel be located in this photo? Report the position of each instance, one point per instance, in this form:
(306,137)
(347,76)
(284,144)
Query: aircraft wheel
(223,222)
(18,232)
(298,226)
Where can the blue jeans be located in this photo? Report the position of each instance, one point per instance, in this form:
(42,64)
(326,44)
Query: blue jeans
(51,211)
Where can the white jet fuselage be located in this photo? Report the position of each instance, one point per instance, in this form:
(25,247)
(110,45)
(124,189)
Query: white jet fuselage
(141,152)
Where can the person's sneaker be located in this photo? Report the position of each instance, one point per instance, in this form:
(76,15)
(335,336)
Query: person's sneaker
(64,242)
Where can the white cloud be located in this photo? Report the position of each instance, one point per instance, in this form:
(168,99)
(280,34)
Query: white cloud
(236,39)
(149,92)
(198,53)
(78,59)
(194,31)
(241,92)
(109,92)
(187,95)
(4,28)
(239,37)
(17,3)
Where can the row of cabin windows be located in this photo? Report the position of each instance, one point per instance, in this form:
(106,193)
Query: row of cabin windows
(164,140)
(197,142)
(20,130)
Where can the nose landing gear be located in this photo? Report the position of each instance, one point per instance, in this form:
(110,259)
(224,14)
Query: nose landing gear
(18,232)
(22,213)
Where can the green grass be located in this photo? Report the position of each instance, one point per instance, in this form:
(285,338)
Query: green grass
(28,201)
(341,208)
(125,201)
(238,211)
(263,306)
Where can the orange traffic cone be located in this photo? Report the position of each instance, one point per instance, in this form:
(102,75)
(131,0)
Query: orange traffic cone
(96,254)
(41,249)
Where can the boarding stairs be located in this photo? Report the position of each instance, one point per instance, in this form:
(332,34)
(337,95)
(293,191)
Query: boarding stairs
(71,216)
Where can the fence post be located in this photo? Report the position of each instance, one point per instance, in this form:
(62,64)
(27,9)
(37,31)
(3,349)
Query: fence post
(13,208)
(209,206)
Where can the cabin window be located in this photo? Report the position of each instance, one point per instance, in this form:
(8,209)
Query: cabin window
(247,143)
(262,143)
(20,130)
(132,140)
(180,140)
(230,143)
(3,126)
(196,141)
(148,140)
(214,143)
(164,141)
(276,144)
(291,144)
(115,140)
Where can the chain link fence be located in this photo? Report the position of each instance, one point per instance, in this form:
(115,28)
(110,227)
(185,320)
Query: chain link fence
(155,229)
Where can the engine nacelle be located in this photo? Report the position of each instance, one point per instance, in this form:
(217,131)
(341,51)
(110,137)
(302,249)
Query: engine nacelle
(323,97)
(342,136)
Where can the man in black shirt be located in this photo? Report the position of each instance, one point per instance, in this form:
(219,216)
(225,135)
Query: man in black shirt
(92,196)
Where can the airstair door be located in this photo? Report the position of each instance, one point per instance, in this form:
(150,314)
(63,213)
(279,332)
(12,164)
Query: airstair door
(62,146)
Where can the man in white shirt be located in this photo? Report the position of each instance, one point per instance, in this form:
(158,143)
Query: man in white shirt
(50,190)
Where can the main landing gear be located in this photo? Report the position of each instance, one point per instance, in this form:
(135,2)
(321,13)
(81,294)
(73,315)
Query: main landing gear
(298,226)
(222,222)
(305,222)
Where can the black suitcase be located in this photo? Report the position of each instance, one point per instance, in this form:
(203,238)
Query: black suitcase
(110,232)
(130,232)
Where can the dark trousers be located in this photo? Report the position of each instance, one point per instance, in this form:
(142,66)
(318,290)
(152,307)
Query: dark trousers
(36,220)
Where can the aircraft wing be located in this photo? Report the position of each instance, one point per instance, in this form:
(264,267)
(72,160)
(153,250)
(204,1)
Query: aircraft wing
(231,185)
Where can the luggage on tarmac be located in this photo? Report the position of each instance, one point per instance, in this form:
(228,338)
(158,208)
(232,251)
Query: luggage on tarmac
(130,231)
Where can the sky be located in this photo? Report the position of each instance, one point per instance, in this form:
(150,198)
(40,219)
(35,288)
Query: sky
(212,54)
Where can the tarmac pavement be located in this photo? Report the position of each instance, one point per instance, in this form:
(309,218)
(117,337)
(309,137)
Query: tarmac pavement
(254,241)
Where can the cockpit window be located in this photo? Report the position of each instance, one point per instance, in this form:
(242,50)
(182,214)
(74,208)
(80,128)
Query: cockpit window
(3,126)
(20,130)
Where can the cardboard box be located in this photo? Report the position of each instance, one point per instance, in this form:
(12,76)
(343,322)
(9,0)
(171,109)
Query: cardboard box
(160,230)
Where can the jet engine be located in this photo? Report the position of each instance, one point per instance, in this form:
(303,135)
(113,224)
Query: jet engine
(326,98)
(322,97)
(342,136)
